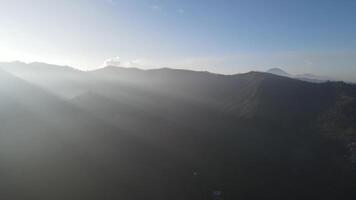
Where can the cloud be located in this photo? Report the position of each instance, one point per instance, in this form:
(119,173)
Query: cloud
(133,63)
(180,11)
(118,62)
(115,61)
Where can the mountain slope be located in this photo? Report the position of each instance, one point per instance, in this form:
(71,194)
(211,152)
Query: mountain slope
(179,134)
(62,81)
(52,150)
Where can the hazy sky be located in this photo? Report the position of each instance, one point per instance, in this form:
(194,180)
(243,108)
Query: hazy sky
(314,36)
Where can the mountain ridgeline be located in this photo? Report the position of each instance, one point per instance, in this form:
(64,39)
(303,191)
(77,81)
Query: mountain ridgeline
(127,133)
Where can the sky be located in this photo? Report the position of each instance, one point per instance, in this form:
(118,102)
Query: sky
(222,36)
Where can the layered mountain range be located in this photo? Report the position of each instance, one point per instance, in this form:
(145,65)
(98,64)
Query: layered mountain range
(304,77)
(127,133)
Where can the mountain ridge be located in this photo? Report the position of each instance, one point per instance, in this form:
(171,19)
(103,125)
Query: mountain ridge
(304,77)
(277,71)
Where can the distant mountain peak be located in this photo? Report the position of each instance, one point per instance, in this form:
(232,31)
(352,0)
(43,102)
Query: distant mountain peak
(278,71)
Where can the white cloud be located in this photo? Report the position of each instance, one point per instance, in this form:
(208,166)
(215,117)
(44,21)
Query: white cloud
(118,62)
(115,61)
(133,63)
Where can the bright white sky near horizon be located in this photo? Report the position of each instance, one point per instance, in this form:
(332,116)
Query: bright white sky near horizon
(304,36)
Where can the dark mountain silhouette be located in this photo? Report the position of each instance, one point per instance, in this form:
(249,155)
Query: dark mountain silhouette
(127,133)
(279,72)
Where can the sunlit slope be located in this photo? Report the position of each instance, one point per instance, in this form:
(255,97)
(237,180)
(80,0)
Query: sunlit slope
(52,150)
(62,81)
